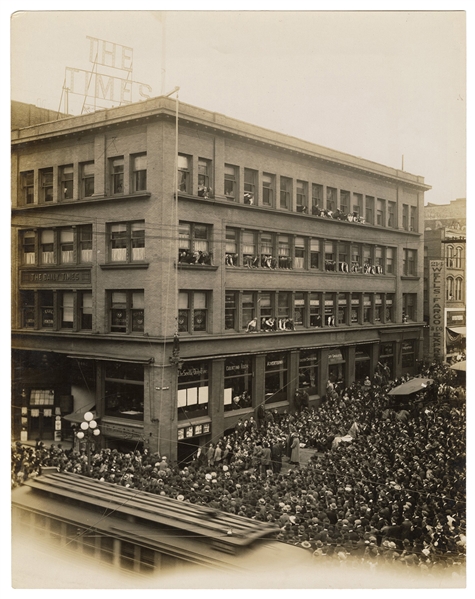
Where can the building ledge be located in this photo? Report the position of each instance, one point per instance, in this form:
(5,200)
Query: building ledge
(210,267)
(126,265)
(80,202)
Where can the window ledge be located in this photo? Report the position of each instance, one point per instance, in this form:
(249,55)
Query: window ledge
(197,266)
(409,278)
(90,200)
(121,265)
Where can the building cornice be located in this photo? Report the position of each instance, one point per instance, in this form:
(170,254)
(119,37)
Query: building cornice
(214,123)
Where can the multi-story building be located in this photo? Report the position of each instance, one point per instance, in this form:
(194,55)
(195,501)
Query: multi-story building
(445,279)
(278,264)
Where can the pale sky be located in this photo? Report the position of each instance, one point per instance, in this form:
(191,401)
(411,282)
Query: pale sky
(378,85)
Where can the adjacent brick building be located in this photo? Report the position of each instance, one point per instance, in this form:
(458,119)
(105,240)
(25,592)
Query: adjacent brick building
(280,263)
(445,279)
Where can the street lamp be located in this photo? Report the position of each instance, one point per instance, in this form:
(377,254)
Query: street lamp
(87,433)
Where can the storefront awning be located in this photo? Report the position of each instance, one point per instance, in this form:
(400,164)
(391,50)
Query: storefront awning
(458,330)
(78,416)
(114,358)
(412,386)
(460,366)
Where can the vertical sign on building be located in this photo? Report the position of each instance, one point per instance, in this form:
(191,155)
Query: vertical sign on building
(436,310)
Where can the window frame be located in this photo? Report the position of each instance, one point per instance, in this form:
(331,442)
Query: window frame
(268,189)
(66,182)
(192,311)
(27,185)
(194,254)
(231,182)
(128,240)
(87,178)
(139,175)
(285,192)
(46,184)
(117,175)
(131,312)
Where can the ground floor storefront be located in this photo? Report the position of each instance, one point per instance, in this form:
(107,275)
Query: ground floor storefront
(145,400)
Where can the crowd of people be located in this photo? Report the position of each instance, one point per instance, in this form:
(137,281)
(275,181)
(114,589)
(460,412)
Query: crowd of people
(384,481)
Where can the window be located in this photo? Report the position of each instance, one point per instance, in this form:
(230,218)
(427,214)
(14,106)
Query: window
(29,247)
(66,246)
(27,183)
(249,254)
(231,247)
(267,251)
(85,243)
(355,308)
(276,377)
(284,259)
(342,309)
(308,371)
(285,192)
(409,263)
(315,253)
(450,289)
(378,307)
(238,375)
(389,308)
(409,303)
(315,313)
(408,354)
(449,253)
(392,214)
(230,182)
(193,243)
(405,217)
(283,308)
(127,311)
(66,182)
(67,310)
(367,259)
(87,179)
(330,263)
(369,212)
(27,303)
(266,312)
(302,196)
(193,390)
(458,257)
(357,205)
(380,212)
(329,309)
(230,311)
(413,219)
(299,252)
(390,260)
(367,308)
(458,289)
(127,242)
(46,299)
(378,260)
(47,246)
(124,390)
(117,175)
(139,172)
(299,309)
(344,201)
(85,310)
(46,184)
(356,258)
(250,186)
(331,199)
(317,198)
(184,174)
(248,310)
(268,186)
(192,311)
(343,257)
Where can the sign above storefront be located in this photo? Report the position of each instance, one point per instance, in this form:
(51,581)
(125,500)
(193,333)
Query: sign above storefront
(53,277)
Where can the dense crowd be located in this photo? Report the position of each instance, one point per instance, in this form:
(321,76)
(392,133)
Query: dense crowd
(385,481)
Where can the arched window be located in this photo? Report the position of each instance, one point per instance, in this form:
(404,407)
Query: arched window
(450,289)
(458,289)
(458,256)
(449,260)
